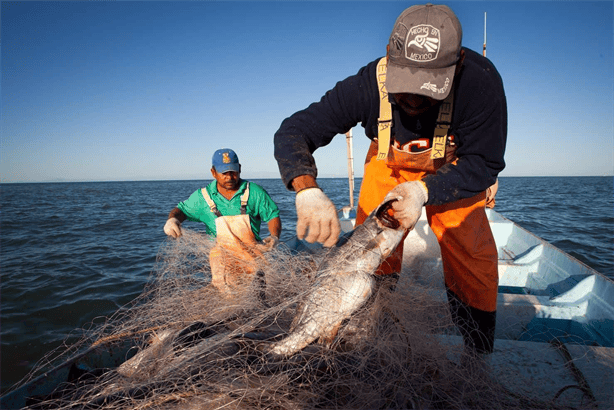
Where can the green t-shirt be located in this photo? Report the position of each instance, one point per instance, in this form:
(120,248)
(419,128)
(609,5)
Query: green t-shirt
(260,206)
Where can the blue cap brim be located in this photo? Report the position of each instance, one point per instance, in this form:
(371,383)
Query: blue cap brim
(222,169)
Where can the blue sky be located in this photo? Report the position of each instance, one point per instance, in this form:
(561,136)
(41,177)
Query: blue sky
(146,90)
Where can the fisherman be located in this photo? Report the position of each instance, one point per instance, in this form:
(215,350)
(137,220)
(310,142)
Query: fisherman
(232,210)
(436,115)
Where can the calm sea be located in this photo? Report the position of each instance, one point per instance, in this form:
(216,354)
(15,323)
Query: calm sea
(74,252)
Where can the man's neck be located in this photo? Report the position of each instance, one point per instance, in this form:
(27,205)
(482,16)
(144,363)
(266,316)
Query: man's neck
(227,193)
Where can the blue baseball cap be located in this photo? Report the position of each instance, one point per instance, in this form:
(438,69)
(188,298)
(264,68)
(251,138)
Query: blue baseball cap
(225,160)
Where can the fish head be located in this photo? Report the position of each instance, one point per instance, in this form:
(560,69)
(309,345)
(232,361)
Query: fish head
(388,230)
(384,215)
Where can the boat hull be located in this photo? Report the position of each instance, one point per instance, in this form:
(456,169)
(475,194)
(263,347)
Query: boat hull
(544,293)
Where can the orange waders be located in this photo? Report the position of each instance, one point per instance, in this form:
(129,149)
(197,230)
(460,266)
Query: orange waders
(234,257)
(468,248)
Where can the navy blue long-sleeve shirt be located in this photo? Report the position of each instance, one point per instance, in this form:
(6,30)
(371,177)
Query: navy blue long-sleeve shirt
(479,127)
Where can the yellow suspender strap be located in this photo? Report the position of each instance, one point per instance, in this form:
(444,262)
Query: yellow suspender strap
(444,120)
(244,199)
(384,122)
(210,202)
(213,206)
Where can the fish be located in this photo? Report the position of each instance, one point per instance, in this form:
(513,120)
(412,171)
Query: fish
(344,281)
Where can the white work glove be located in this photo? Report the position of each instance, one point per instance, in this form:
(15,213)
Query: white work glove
(411,197)
(172,227)
(318,215)
(269,243)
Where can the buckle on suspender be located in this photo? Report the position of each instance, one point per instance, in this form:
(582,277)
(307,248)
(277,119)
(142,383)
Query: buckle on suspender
(440,136)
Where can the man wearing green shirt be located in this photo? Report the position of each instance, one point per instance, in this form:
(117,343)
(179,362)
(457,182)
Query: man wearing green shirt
(232,210)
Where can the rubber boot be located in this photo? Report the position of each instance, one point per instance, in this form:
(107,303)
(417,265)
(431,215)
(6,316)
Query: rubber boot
(476,326)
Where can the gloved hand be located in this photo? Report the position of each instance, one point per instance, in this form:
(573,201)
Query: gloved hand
(316,214)
(411,197)
(172,227)
(269,243)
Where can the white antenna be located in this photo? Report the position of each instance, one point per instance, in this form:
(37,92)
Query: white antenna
(484,49)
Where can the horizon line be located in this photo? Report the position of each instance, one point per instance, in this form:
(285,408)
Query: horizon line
(61,181)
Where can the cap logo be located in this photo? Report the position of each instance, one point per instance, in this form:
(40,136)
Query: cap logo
(433,87)
(423,43)
(225,158)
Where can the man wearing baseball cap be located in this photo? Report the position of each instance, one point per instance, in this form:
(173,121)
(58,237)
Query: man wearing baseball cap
(436,115)
(232,210)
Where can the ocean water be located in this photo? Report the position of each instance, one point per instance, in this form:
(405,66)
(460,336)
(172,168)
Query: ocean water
(73,253)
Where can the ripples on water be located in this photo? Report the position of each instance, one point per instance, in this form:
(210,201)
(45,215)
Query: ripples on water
(574,214)
(75,252)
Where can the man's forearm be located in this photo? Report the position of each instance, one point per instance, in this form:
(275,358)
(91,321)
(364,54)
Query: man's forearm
(303,182)
(275,226)
(177,213)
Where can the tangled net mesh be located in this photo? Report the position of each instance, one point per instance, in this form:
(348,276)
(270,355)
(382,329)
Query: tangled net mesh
(194,348)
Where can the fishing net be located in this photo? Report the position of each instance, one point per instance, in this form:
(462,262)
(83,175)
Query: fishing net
(191,347)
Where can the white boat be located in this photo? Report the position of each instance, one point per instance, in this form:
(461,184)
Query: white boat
(555,314)
(544,293)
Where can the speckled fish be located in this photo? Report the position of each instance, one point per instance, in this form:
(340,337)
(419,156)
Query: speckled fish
(344,281)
